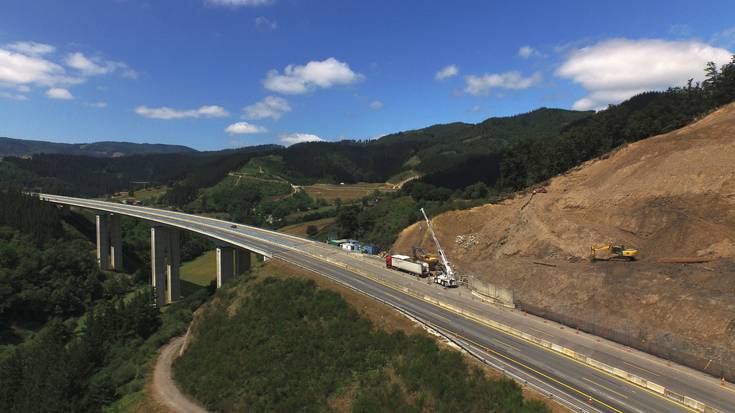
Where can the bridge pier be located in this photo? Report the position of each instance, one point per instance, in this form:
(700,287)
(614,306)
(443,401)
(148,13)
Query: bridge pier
(103,241)
(115,243)
(109,242)
(225,264)
(243,260)
(231,262)
(165,260)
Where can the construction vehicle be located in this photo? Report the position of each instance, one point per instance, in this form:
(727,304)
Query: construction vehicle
(612,252)
(405,263)
(420,254)
(444,276)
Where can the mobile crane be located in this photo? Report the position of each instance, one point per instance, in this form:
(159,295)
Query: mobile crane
(446,276)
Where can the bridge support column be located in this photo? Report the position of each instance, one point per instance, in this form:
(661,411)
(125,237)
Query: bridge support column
(109,242)
(225,264)
(242,261)
(103,241)
(115,243)
(165,260)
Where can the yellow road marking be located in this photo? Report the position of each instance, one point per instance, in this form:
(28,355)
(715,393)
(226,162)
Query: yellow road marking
(514,361)
(507,345)
(604,387)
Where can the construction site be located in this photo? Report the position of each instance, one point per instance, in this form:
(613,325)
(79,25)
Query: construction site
(637,246)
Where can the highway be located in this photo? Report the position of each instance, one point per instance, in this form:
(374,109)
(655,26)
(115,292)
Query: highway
(577,385)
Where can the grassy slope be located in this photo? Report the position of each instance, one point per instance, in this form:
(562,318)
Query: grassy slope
(300,229)
(347,192)
(201,270)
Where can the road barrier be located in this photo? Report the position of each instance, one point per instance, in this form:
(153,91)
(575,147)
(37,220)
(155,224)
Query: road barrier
(664,344)
(487,291)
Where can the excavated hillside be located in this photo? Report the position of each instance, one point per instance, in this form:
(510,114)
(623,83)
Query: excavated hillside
(671,195)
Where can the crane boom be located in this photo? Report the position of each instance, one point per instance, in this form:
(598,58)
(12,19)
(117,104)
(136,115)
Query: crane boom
(442,255)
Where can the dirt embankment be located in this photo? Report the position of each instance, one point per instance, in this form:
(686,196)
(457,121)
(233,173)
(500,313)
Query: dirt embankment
(671,195)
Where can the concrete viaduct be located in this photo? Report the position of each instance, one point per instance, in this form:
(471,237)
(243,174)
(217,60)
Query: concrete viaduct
(232,259)
(165,256)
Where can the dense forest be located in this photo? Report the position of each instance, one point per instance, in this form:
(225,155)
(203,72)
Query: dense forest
(25,147)
(295,347)
(72,337)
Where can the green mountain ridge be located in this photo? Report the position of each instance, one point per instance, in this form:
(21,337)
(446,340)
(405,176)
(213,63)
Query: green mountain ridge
(26,147)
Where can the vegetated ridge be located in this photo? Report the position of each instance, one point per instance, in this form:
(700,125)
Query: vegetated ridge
(671,195)
(280,343)
(405,153)
(25,147)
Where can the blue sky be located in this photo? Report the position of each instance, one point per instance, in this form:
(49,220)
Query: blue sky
(214,74)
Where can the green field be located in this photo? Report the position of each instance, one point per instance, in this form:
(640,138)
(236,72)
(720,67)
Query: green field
(200,271)
(149,193)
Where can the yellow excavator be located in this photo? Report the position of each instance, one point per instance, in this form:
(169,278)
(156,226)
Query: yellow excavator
(420,254)
(612,252)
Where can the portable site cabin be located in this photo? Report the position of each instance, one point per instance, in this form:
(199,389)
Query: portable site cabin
(369,249)
(350,246)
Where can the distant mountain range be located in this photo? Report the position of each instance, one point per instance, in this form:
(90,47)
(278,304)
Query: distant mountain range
(107,149)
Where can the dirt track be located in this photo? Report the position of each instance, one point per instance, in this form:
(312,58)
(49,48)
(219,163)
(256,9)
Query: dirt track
(669,196)
(164,390)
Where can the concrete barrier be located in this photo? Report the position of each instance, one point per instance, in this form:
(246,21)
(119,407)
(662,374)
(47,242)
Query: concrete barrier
(495,294)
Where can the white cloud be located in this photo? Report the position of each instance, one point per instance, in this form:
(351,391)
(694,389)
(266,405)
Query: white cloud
(270,107)
(244,128)
(614,70)
(302,79)
(264,24)
(526,52)
(13,96)
(59,93)
(239,3)
(167,113)
(31,48)
(475,109)
(481,85)
(17,69)
(294,138)
(95,66)
(376,105)
(449,71)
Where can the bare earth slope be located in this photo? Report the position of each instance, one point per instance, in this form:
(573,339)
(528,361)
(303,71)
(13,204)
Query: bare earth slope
(671,195)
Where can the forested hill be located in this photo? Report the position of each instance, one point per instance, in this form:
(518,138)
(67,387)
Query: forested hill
(24,147)
(421,151)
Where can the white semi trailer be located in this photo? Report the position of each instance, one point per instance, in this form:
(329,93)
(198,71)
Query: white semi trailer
(405,263)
